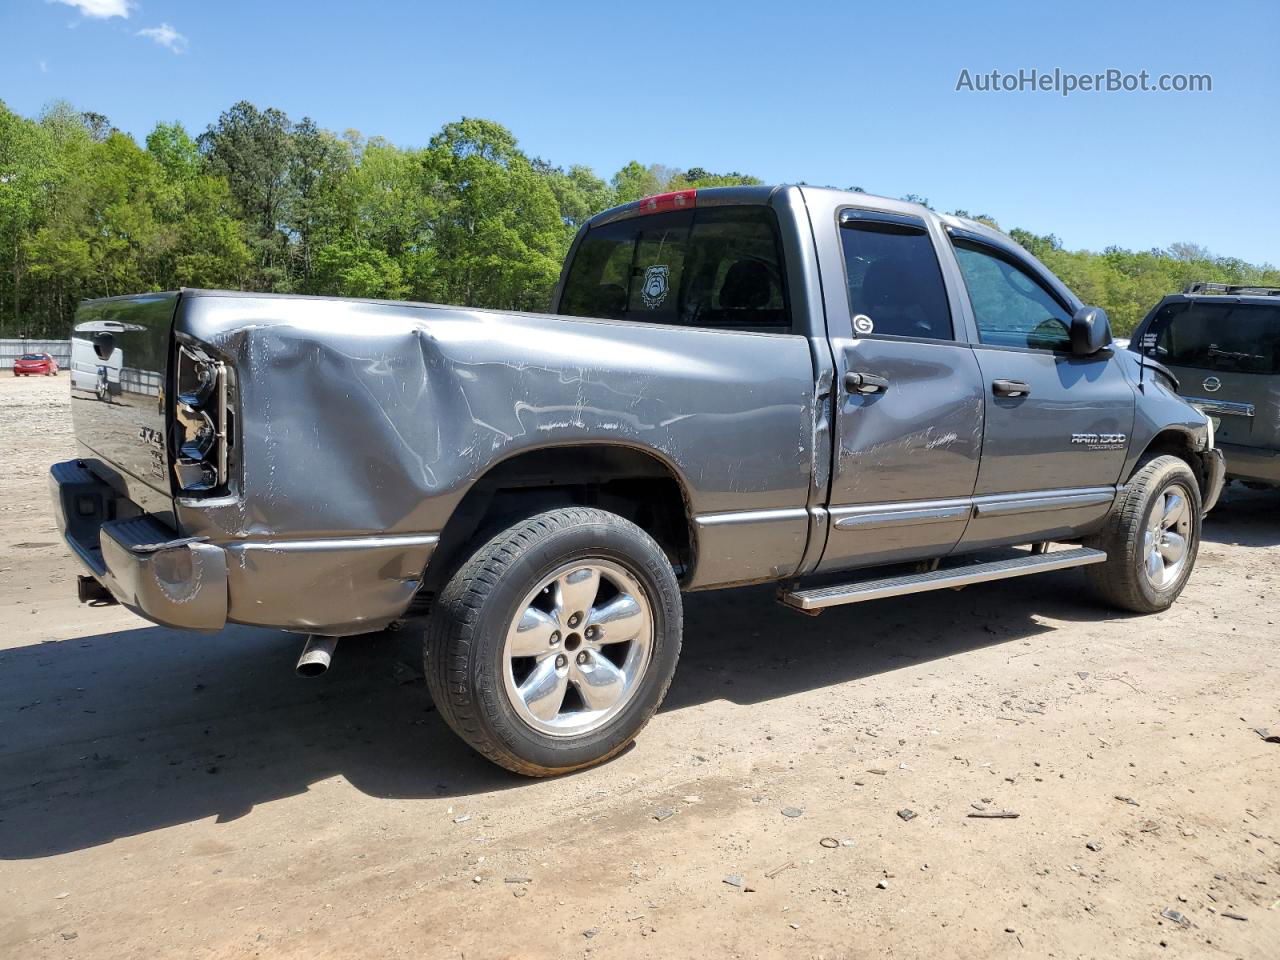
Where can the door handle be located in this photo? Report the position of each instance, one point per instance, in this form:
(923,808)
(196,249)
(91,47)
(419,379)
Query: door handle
(865,383)
(1010,388)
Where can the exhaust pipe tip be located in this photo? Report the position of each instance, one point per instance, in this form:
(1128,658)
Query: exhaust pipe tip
(317,654)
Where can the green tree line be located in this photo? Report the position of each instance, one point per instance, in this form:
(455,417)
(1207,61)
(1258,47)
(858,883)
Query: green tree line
(261,202)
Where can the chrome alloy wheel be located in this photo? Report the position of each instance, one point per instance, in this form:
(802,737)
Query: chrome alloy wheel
(578,648)
(1167,539)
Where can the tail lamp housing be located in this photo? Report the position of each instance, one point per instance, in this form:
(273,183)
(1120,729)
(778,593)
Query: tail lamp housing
(200,422)
(665,202)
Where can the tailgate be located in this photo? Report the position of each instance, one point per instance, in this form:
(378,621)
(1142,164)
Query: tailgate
(1245,408)
(120,351)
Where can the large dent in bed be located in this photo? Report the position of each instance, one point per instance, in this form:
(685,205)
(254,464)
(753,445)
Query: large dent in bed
(361,418)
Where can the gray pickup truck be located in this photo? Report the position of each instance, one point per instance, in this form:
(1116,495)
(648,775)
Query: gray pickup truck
(849,396)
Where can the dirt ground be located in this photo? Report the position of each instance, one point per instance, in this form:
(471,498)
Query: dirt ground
(174,795)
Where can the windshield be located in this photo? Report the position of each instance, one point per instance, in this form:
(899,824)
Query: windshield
(31,356)
(1228,337)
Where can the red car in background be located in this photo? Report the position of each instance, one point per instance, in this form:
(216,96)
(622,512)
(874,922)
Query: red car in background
(32,364)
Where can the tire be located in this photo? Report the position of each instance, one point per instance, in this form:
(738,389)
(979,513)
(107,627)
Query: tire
(472,646)
(1136,529)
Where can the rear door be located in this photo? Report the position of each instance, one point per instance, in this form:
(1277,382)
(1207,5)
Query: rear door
(909,398)
(706,280)
(1226,355)
(1057,424)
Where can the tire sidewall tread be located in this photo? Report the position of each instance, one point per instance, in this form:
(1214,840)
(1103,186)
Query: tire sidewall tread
(1120,581)
(468,625)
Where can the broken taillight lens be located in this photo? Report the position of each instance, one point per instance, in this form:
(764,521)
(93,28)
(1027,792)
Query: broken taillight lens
(200,416)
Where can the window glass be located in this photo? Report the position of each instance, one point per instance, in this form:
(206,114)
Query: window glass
(1230,337)
(895,284)
(718,267)
(1012,309)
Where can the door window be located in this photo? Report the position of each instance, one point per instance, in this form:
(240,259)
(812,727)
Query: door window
(895,283)
(1011,307)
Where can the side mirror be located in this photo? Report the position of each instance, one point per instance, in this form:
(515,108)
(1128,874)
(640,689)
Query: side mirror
(1090,331)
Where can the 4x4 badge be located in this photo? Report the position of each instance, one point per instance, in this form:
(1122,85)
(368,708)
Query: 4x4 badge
(1212,384)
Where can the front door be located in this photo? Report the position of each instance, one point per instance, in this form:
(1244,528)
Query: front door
(1057,424)
(909,409)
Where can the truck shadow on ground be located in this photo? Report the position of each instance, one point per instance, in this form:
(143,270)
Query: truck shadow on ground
(1249,518)
(122,733)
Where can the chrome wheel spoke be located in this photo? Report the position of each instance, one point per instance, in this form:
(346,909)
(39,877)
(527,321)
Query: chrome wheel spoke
(1155,566)
(576,592)
(532,634)
(571,687)
(619,620)
(1155,521)
(599,682)
(543,690)
(1175,506)
(1173,548)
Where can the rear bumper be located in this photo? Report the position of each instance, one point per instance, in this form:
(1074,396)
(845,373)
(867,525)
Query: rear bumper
(1257,464)
(175,582)
(338,586)
(1215,471)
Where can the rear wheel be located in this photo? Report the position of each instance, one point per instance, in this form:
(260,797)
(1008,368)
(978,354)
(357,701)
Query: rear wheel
(1151,538)
(555,643)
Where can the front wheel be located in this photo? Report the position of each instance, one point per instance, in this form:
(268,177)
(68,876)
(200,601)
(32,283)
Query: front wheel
(1151,538)
(552,646)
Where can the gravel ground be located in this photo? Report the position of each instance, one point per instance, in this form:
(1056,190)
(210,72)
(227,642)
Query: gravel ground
(167,794)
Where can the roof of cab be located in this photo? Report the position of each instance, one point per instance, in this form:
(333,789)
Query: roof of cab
(707,197)
(762,194)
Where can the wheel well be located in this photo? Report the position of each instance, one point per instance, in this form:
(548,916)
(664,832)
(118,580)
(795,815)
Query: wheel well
(623,480)
(1179,444)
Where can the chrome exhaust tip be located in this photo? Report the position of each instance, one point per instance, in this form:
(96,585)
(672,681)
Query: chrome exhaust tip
(317,654)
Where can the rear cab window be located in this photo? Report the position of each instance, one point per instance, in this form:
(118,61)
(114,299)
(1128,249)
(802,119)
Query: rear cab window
(714,267)
(1223,337)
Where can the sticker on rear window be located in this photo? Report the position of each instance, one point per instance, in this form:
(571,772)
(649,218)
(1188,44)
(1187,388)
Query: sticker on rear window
(863,325)
(654,290)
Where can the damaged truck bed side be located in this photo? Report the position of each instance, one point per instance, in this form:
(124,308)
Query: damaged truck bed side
(852,396)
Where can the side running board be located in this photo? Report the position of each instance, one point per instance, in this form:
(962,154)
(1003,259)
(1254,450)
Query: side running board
(819,598)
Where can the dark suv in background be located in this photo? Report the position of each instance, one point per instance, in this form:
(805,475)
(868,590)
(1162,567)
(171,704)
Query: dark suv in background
(1223,343)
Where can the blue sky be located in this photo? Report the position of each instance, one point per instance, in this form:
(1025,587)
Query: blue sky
(841,93)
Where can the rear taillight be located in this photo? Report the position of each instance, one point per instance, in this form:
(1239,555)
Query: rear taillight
(663,202)
(200,418)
